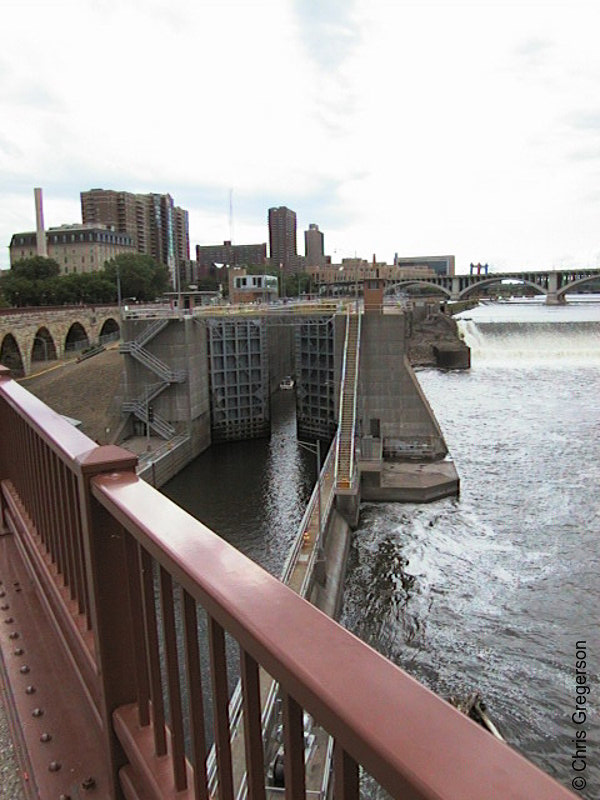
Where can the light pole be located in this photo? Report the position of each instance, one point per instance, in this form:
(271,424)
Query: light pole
(118,287)
(315,449)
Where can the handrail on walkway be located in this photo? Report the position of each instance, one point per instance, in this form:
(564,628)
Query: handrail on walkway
(144,573)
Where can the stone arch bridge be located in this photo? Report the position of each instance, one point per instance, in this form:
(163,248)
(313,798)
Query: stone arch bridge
(30,335)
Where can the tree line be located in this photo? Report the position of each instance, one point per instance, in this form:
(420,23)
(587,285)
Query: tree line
(37,281)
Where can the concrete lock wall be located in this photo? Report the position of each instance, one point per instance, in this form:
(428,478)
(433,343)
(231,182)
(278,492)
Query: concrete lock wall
(392,406)
(180,346)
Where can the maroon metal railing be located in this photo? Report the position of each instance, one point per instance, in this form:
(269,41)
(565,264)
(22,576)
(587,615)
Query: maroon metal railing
(137,569)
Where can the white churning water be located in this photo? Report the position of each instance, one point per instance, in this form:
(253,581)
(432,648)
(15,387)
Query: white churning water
(493,591)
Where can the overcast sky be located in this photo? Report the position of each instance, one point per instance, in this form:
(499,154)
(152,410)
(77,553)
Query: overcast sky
(422,128)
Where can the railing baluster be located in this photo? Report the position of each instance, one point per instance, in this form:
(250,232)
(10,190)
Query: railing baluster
(47,507)
(56,516)
(293,742)
(65,523)
(80,571)
(196,700)
(139,643)
(218,671)
(255,762)
(172,662)
(39,512)
(158,709)
(346,780)
(23,475)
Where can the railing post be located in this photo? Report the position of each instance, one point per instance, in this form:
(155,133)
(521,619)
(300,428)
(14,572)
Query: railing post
(105,554)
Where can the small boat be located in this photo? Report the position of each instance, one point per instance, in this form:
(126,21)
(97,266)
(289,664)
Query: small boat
(287,383)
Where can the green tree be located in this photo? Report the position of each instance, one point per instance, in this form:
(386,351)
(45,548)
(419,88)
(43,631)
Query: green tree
(25,283)
(36,268)
(140,276)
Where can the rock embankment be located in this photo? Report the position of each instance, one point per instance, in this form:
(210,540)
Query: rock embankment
(433,340)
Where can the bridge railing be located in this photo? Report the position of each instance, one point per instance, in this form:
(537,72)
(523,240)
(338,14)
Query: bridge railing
(142,573)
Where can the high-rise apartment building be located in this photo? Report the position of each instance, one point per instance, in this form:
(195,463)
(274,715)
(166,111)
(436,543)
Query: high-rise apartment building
(158,227)
(314,247)
(282,238)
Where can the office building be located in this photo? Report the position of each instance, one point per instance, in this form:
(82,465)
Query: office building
(233,255)
(282,238)
(441,265)
(357,270)
(314,247)
(158,227)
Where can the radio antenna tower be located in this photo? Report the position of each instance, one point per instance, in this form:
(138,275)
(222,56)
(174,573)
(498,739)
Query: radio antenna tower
(231,215)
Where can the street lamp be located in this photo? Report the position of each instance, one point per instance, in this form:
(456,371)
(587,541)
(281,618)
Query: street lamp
(118,286)
(315,449)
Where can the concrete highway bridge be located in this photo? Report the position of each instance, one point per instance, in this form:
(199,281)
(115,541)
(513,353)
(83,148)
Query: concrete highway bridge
(554,284)
(105,670)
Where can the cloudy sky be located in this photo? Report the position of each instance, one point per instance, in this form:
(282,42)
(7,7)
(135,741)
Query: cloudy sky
(418,127)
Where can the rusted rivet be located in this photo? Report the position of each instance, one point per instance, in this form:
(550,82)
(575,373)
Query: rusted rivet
(18,589)
(4,607)
(25,669)
(45,737)
(37,712)
(16,583)
(54,766)
(2,593)
(9,620)
(30,690)
(19,651)
(13,635)
(88,783)
(64,797)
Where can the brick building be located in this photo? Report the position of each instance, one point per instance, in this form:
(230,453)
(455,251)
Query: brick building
(76,248)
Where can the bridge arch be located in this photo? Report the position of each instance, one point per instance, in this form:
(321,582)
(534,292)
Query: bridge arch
(579,282)
(76,338)
(110,331)
(43,347)
(487,282)
(10,356)
(416,282)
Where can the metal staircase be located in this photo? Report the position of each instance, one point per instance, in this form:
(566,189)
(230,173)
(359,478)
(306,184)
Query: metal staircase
(345,463)
(153,363)
(141,408)
(141,405)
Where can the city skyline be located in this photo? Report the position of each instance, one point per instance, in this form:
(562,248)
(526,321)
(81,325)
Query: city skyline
(438,127)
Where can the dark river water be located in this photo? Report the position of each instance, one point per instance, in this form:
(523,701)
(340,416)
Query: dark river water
(252,493)
(491,592)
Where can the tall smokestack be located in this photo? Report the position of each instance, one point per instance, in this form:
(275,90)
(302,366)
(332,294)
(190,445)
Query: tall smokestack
(40,233)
